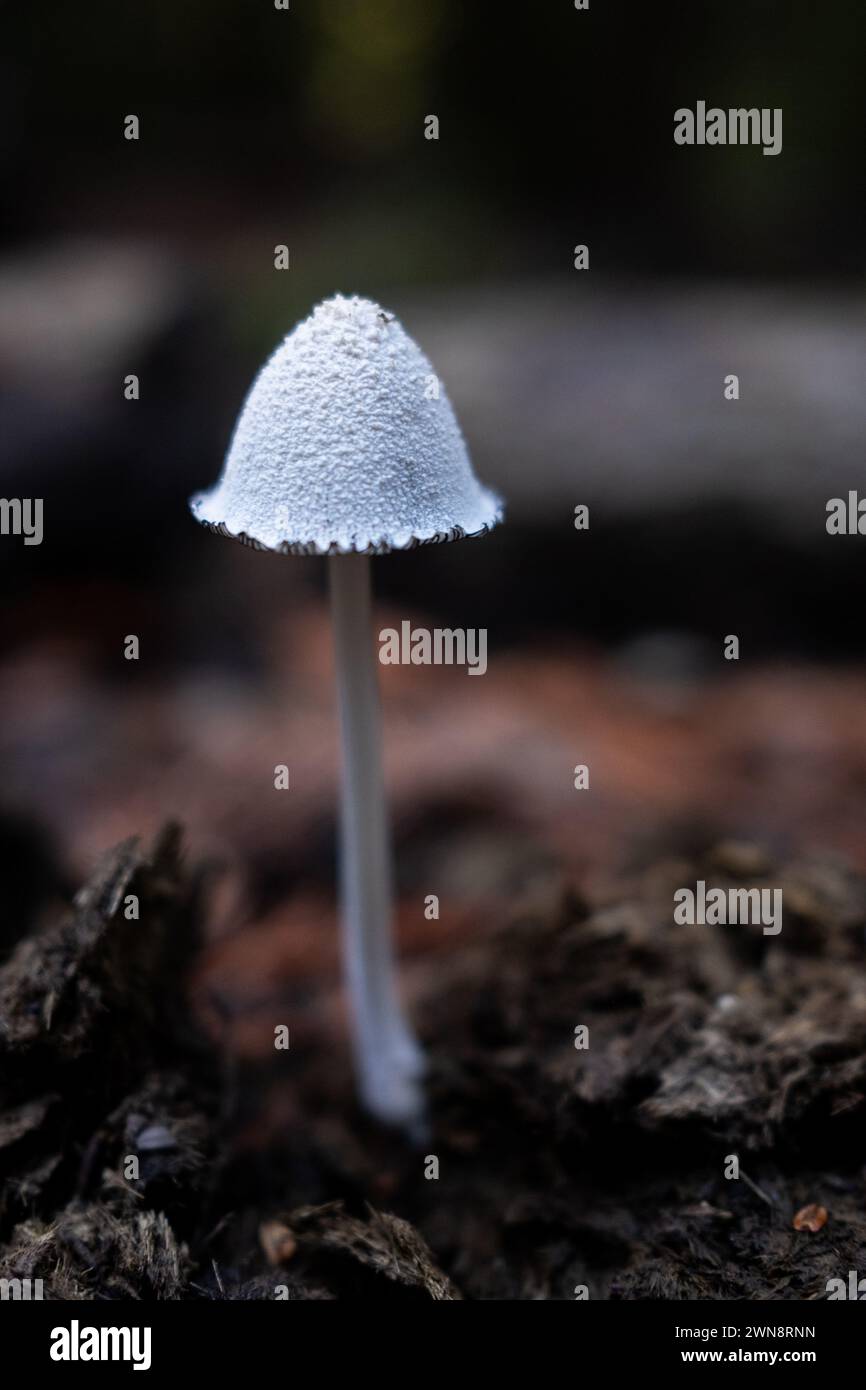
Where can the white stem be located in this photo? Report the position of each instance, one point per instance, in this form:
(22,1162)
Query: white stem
(388,1059)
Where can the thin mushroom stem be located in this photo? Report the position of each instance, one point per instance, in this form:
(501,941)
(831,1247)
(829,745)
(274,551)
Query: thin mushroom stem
(388,1059)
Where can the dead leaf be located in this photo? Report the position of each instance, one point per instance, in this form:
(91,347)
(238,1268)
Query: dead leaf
(810,1218)
(277,1242)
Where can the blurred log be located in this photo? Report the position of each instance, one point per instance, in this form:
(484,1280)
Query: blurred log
(612,395)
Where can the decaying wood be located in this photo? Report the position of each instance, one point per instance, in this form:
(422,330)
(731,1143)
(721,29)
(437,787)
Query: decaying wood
(99,1062)
(559,1167)
(382,1243)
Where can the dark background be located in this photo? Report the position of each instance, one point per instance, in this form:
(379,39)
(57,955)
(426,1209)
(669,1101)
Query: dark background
(261,127)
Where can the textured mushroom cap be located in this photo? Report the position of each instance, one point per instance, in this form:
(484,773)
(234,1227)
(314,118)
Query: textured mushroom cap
(347,442)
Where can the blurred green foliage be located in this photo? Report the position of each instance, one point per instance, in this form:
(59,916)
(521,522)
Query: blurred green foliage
(556,126)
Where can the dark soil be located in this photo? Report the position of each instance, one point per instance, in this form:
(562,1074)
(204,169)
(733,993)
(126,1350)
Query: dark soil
(558,1167)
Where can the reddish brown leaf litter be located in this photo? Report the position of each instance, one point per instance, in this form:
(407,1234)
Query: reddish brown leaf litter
(277,1242)
(558,1167)
(810,1218)
(776,751)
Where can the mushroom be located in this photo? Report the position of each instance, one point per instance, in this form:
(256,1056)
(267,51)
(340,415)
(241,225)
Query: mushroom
(347,446)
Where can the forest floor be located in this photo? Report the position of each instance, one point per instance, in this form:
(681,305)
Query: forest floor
(143,1155)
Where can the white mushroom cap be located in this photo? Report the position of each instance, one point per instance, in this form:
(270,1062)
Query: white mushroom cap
(344,445)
